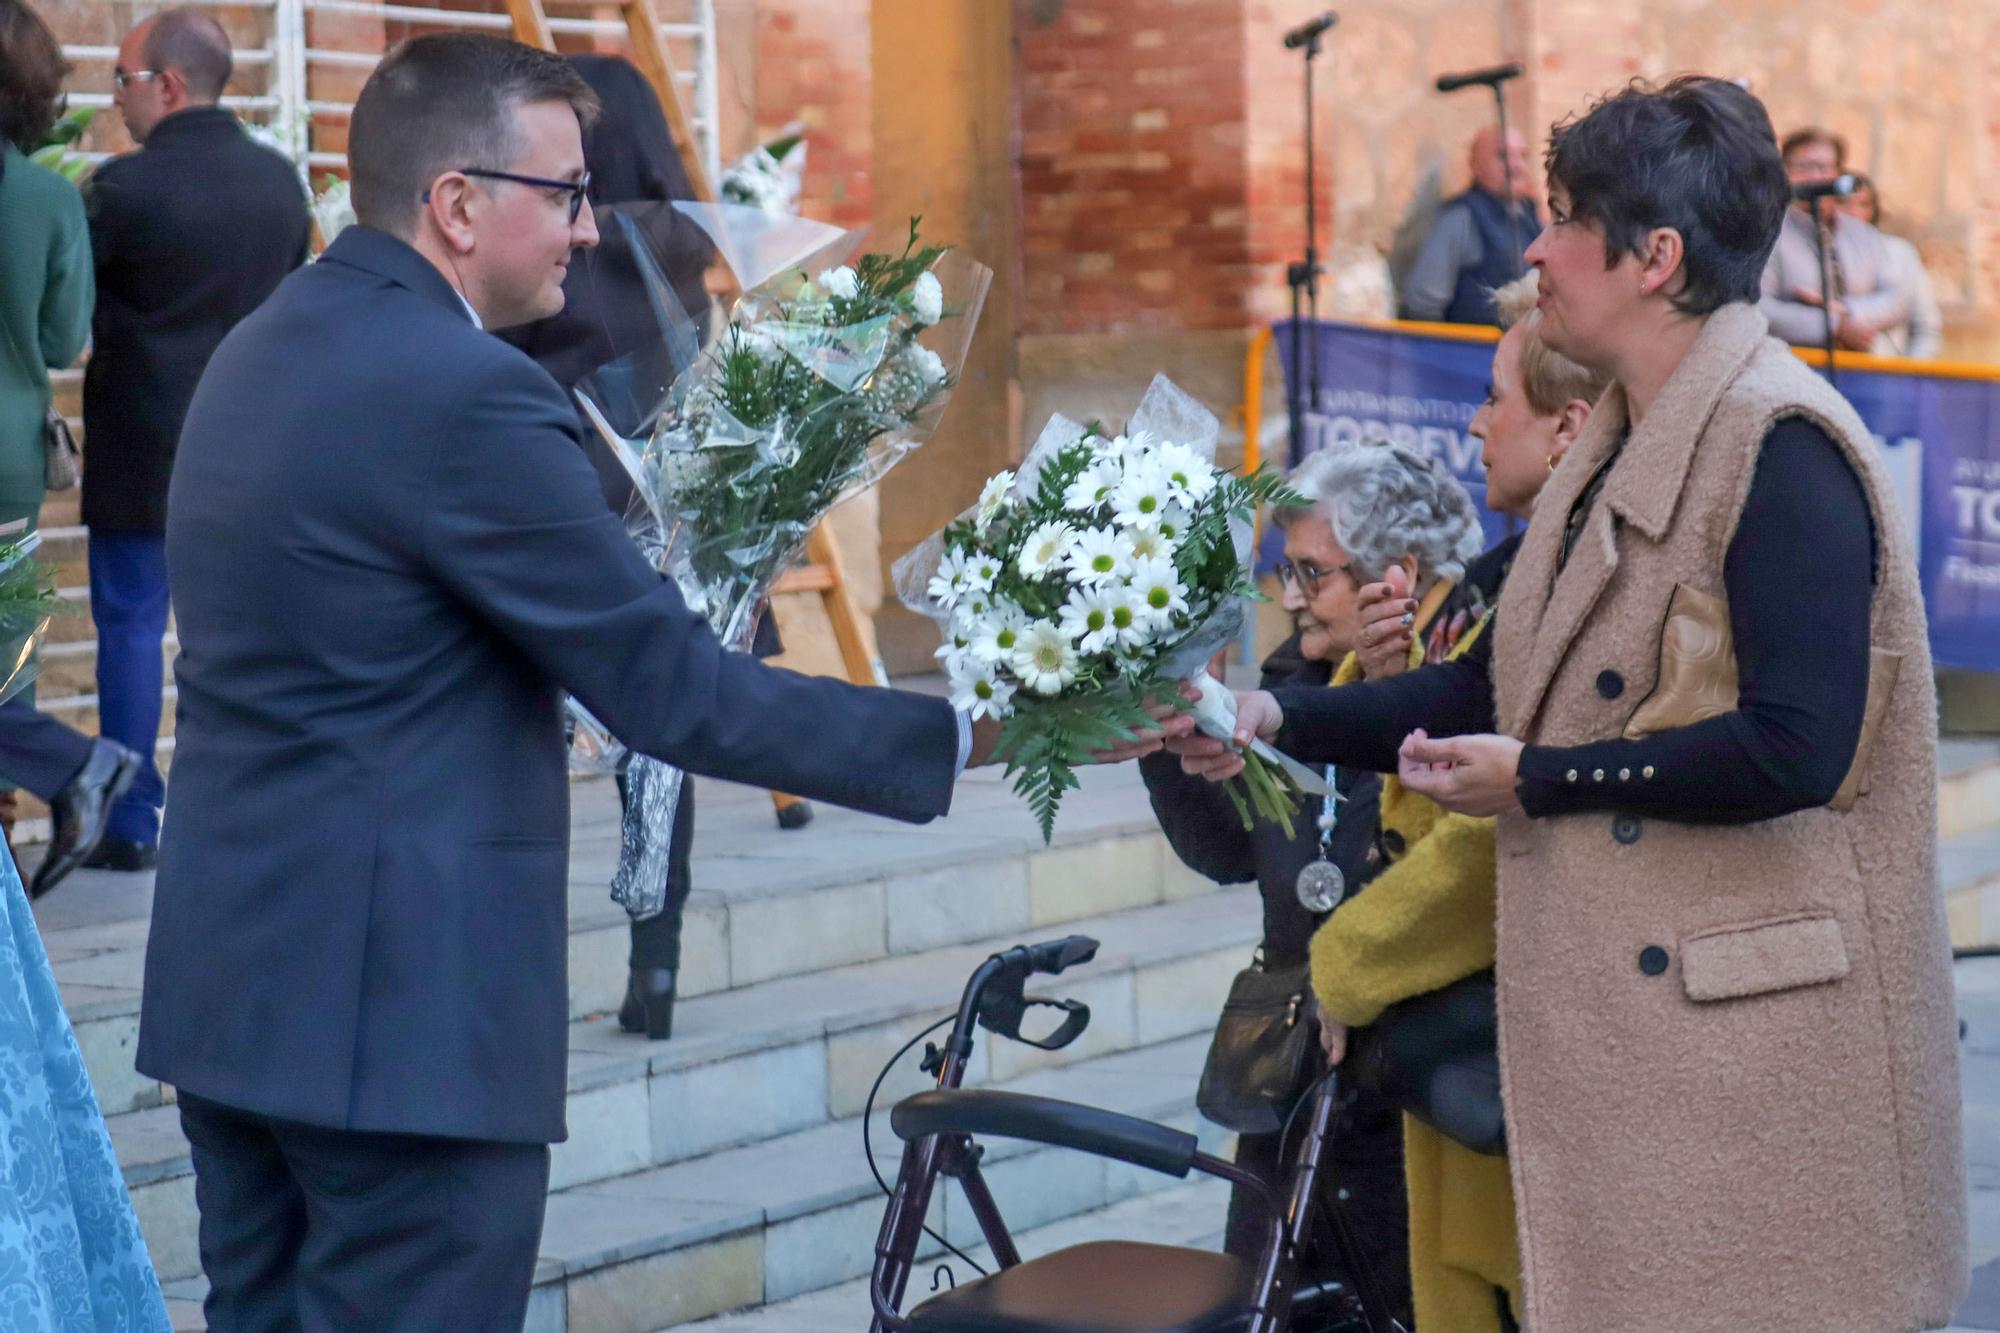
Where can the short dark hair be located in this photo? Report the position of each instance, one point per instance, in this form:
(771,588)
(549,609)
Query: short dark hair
(1809,136)
(191,41)
(32,70)
(445,102)
(1697,155)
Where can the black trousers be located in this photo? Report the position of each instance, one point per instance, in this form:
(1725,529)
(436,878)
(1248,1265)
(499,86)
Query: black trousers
(1362,1233)
(306,1229)
(38,752)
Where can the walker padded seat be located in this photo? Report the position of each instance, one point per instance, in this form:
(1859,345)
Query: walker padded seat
(1103,1287)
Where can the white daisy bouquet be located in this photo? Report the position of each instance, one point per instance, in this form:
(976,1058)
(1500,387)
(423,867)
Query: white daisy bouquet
(831,369)
(1109,568)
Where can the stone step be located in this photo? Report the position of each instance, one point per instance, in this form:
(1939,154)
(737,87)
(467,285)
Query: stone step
(776,1058)
(790,1214)
(1969,873)
(69,668)
(1968,785)
(768,903)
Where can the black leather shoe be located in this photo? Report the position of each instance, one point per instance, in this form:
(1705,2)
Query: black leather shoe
(80,810)
(122,854)
(649,1003)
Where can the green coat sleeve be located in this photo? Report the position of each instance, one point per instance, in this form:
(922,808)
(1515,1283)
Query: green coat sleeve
(71,292)
(1425,922)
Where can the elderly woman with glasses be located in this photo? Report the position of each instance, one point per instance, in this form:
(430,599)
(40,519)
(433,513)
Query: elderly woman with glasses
(1373,508)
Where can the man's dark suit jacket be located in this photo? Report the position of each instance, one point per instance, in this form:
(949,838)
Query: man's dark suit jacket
(190,234)
(389,555)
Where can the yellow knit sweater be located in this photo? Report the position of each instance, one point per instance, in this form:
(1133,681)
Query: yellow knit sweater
(1426,922)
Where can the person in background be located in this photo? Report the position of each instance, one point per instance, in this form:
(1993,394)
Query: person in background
(1868,301)
(1472,248)
(45,297)
(1427,920)
(1374,507)
(1923,336)
(636,173)
(70,1248)
(190,234)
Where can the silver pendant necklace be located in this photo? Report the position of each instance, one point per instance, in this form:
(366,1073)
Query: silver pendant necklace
(1321,886)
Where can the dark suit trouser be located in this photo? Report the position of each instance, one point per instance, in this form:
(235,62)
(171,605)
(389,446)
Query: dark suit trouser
(37,751)
(306,1229)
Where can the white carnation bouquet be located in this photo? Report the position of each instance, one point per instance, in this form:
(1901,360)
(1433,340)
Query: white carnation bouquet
(832,367)
(1090,583)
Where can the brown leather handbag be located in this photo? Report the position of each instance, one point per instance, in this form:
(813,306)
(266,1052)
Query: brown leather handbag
(1262,1057)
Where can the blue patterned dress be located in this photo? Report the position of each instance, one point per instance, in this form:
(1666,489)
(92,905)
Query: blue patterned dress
(71,1257)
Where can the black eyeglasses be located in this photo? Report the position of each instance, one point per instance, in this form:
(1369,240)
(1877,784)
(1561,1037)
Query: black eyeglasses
(575,188)
(1306,574)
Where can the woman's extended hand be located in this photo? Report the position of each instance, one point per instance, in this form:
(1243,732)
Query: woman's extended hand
(1257,716)
(1332,1038)
(1386,613)
(1471,775)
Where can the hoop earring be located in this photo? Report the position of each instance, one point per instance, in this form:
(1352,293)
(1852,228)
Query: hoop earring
(1553,460)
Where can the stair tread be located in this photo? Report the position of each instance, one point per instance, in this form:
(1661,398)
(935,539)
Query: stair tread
(788,1176)
(790,1010)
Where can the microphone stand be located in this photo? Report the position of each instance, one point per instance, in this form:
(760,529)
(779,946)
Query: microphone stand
(1303,278)
(1507,169)
(1821,238)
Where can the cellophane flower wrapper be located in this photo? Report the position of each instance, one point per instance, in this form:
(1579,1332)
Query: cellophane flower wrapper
(1090,581)
(832,367)
(28,600)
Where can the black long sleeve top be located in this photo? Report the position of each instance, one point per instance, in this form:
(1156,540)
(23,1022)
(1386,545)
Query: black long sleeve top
(1799,576)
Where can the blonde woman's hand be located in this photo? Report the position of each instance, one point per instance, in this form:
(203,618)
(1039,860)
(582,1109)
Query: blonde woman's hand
(1387,614)
(1332,1038)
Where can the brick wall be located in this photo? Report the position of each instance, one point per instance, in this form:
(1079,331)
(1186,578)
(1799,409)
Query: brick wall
(1909,83)
(813,63)
(1132,169)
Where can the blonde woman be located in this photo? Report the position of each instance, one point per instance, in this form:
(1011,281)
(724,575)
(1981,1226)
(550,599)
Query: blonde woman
(1427,921)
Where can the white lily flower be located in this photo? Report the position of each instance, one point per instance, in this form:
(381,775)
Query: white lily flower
(842,282)
(1045,661)
(1088,617)
(1092,487)
(1157,589)
(978,690)
(992,499)
(927,299)
(1141,499)
(1047,545)
(1099,555)
(998,633)
(1190,477)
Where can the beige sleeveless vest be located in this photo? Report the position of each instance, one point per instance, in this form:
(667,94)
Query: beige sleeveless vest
(1729,1052)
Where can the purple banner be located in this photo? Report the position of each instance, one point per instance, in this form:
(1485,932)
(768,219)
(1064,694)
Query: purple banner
(1940,437)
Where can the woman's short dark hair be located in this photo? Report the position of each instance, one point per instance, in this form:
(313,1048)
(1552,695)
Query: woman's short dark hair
(32,70)
(445,102)
(1697,155)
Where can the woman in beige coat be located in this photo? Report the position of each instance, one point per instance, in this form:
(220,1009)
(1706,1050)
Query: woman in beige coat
(1707,729)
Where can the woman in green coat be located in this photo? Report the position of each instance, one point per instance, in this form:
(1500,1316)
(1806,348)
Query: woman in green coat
(46,291)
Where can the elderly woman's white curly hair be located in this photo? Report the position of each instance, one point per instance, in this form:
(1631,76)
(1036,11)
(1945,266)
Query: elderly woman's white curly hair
(1384,501)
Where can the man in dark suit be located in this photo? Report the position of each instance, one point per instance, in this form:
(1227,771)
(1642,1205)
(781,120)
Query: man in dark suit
(190,234)
(390,555)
